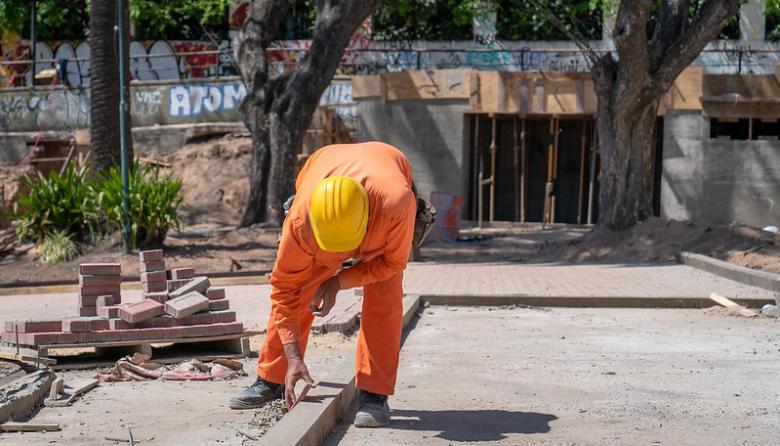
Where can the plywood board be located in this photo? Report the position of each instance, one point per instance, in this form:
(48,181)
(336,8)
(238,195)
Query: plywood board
(560,96)
(686,91)
(744,86)
(437,84)
(366,86)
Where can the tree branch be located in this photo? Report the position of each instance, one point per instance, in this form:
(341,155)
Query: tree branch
(706,26)
(672,21)
(262,24)
(336,23)
(630,36)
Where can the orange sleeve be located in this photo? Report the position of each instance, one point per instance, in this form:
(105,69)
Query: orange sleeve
(292,269)
(395,257)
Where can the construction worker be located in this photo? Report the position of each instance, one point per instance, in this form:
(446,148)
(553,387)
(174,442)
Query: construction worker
(353,201)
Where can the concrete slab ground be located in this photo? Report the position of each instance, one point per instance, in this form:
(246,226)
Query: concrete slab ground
(583,377)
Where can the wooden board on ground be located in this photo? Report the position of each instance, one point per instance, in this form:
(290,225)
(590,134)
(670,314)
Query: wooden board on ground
(27,358)
(72,390)
(732,306)
(166,351)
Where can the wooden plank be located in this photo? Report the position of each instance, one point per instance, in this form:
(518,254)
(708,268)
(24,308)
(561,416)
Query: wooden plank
(439,84)
(732,306)
(686,91)
(366,86)
(27,358)
(72,391)
(139,342)
(560,96)
(29,427)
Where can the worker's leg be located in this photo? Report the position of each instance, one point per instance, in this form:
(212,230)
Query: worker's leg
(271,364)
(380,336)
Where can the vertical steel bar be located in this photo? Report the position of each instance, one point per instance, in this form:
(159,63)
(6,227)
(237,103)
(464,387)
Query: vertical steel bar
(33,40)
(581,198)
(493,153)
(517,173)
(123,130)
(592,178)
(524,174)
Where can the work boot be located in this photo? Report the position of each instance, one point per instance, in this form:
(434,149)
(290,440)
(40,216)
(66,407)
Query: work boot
(256,395)
(373,410)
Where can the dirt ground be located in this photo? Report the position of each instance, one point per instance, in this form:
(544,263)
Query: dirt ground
(576,377)
(215,187)
(150,408)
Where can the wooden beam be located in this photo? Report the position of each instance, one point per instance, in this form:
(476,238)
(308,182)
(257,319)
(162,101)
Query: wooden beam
(29,427)
(732,306)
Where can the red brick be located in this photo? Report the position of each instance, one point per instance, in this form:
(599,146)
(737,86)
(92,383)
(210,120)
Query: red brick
(152,266)
(182,273)
(157,322)
(78,324)
(231,328)
(33,326)
(219,305)
(99,290)
(52,338)
(187,305)
(100,269)
(220,317)
(151,254)
(141,311)
(199,284)
(154,287)
(173,332)
(154,276)
(174,285)
(119,324)
(108,312)
(93,301)
(109,300)
(160,297)
(215,293)
(85,280)
(87,311)
(106,336)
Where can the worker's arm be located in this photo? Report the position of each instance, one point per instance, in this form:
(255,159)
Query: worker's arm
(395,256)
(293,266)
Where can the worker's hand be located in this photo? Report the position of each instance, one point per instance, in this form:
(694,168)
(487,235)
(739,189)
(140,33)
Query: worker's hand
(325,297)
(296,371)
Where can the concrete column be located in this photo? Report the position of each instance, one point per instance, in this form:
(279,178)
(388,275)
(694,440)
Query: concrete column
(752,21)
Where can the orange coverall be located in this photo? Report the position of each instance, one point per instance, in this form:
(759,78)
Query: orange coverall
(301,266)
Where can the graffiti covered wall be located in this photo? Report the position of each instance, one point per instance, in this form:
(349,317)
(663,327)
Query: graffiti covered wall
(152,103)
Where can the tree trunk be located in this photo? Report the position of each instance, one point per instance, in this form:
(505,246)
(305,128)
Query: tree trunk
(629,89)
(104,86)
(278,108)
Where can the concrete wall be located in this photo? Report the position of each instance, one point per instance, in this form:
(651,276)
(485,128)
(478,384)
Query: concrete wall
(430,133)
(717,181)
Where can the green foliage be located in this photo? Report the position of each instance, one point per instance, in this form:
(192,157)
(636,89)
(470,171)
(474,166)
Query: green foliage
(55,204)
(161,19)
(773,20)
(56,19)
(154,199)
(452,19)
(58,247)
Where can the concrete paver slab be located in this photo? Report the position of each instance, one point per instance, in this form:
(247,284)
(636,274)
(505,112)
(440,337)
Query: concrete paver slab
(582,377)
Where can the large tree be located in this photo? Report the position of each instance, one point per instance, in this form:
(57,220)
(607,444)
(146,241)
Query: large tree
(104,84)
(654,41)
(278,107)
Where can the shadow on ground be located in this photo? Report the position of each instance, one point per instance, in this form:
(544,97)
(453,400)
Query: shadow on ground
(466,425)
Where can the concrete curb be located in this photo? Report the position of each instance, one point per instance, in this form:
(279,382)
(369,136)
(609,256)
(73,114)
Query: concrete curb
(583,302)
(313,418)
(741,274)
(24,394)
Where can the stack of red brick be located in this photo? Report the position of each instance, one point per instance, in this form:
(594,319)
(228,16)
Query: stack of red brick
(176,305)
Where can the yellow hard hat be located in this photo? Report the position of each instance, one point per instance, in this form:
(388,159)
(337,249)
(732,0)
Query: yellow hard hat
(338,213)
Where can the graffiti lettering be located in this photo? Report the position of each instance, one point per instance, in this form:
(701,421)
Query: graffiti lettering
(192,100)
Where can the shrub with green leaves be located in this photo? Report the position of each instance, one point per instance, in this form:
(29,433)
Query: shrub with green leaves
(154,201)
(55,204)
(58,247)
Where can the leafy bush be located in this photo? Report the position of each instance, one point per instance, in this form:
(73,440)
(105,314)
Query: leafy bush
(154,200)
(58,247)
(55,204)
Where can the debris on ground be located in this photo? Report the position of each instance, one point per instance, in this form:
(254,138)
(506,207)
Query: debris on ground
(139,367)
(63,394)
(267,416)
(770,310)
